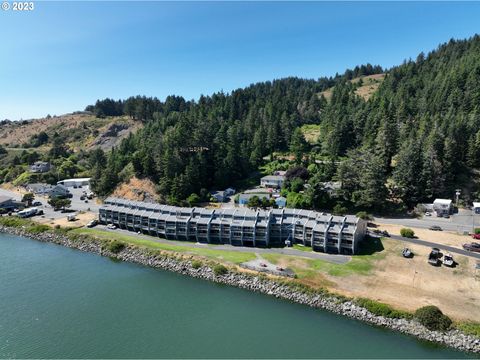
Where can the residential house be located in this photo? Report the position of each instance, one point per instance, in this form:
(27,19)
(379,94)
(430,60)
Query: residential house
(39,188)
(40,167)
(219,196)
(59,191)
(229,192)
(7,203)
(332,187)
(443,206)
(274,181)
(244,198)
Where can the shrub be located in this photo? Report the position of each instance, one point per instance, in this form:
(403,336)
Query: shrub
(477,230)
(381,309)
(196,264)
(220,270)
(39,228)
(364,215)
(339,210)
(116,246)
(432,318)
(406,232)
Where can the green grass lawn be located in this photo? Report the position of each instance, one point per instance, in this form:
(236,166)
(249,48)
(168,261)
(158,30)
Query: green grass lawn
(361,264)
(235,257)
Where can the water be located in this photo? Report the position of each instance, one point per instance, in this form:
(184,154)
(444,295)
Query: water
(57,302)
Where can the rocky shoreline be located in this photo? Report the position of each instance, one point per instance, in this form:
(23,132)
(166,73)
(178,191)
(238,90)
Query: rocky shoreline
(452,338)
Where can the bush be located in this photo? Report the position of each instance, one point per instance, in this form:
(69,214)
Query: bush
(406,232)
(196,264)
(13,221)
(116,246)
(364,215)
(39,228)
(381,309)
(220,270)
(432,318)
(339,210)
(477,230)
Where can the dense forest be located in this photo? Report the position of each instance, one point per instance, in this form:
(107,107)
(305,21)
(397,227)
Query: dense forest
(415,138)
(410,142)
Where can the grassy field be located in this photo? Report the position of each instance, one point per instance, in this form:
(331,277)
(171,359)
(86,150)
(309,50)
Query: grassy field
(235,257)
(361,264)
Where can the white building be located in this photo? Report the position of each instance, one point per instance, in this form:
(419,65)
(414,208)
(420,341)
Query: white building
(476,207)
(275,181)
(74,182)
(442,206)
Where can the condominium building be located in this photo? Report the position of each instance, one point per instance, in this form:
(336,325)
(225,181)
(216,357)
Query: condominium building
(238,226)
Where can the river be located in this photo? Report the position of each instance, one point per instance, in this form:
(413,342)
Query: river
(57,302)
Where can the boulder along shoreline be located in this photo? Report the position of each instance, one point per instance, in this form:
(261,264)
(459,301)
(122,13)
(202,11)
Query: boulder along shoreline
(452,338)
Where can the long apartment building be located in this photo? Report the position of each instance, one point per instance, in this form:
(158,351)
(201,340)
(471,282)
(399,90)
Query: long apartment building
(238,226)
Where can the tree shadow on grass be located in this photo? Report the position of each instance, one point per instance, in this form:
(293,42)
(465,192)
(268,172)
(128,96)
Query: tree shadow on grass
(370,245)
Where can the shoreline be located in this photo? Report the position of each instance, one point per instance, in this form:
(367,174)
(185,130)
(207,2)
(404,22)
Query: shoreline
(258,283)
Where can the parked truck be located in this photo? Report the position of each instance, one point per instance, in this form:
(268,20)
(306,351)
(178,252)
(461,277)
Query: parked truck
(434,257)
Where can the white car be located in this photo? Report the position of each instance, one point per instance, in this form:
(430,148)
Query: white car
(428,214)
(111,227)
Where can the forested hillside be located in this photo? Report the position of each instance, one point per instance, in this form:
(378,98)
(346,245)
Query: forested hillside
(416,137)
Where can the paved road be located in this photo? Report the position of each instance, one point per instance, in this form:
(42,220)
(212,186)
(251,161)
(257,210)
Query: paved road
(440,246)
(463,221)
(333,258)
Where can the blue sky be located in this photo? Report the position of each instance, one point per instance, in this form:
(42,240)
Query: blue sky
(64,55)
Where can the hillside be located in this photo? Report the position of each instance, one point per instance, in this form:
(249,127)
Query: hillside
(366,86)
(78,131)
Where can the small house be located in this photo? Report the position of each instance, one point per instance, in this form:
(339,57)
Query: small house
(443,206)
(229,192)
(7,203)
(274,181)
(59,191)
(39,188)
(219,196)
(244,198)
(40,167)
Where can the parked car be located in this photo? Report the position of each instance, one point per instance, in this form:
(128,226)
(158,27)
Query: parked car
(111,227)
(428,213)
(435,228)
(385,233)
(407,253)
(446,216)
(434,257)
(475,247)
(92,223)
(83,197)
(36,203)
(475,236)
(448,260)
(71,217)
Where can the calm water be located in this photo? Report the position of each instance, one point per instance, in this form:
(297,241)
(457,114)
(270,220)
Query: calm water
(61,303)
